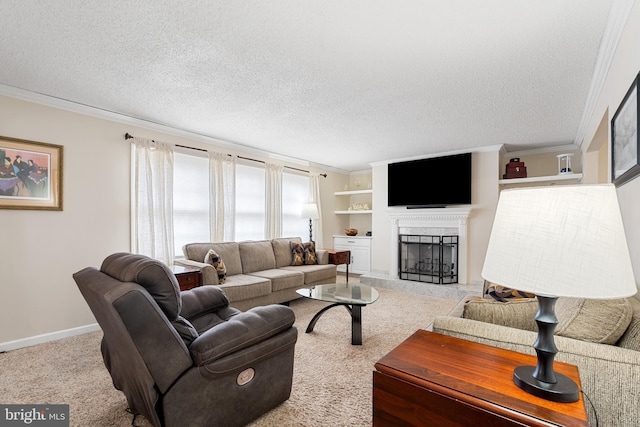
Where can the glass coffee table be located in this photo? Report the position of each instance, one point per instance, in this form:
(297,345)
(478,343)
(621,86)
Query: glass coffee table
(351,296)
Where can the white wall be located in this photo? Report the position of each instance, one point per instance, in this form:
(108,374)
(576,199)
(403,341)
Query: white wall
(42,249)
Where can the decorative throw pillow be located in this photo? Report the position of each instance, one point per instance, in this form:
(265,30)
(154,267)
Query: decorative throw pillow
(214,259)
(310,253)
(503,294)
(297,250)
(599,321)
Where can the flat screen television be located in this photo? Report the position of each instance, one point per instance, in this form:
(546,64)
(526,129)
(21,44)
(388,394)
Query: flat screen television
(429,183)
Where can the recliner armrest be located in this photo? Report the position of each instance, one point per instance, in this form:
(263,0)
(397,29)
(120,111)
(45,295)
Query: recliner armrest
(241,331)
(203,299)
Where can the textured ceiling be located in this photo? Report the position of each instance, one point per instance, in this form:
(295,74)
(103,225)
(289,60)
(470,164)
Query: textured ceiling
(331,82)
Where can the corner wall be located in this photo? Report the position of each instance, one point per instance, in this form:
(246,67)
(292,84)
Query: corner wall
(624,68)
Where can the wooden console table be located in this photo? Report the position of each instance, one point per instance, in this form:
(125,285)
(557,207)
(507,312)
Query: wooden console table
(434,379)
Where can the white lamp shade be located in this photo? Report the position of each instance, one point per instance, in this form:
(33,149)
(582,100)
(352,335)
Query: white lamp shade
(565,241)
(309,210)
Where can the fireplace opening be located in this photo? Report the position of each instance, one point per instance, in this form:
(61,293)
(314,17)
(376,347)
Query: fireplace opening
(429,259)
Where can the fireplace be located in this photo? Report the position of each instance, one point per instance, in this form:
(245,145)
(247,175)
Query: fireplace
(428,258)
(431,222)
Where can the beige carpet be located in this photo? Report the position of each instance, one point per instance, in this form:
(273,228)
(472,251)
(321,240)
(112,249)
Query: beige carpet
(332,379)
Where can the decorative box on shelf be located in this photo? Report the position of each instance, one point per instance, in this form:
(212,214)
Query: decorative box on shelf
(515,169)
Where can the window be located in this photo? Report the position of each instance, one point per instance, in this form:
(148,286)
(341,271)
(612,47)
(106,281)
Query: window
(250,202)
(295,193)
(190,200)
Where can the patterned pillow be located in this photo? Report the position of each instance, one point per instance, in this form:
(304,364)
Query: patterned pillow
(297,250)
(310,257)
(214,259)
(503,294)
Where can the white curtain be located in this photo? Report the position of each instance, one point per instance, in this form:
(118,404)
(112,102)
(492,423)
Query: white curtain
(314,197)
(152,200)
(222,197)
(273,201)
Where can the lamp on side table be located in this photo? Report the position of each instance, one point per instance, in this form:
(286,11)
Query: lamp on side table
(558,241)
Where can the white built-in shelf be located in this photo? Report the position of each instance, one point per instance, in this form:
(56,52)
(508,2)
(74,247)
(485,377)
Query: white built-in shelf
(549,179)
(353,192)
(353,212)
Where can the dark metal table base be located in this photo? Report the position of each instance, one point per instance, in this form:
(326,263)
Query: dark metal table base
(356,321)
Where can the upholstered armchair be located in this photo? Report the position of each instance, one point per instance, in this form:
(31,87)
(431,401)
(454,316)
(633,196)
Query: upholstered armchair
(187,358)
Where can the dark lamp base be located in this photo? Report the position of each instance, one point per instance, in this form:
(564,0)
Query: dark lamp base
(565,390)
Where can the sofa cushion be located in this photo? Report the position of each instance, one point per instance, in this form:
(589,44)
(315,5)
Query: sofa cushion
(282,250)
(282,279)
(518,313)
(243,286)
(316,274)
(257,256)
(598,321)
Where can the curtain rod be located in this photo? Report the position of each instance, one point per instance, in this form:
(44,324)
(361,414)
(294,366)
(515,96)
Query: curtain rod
(129,136)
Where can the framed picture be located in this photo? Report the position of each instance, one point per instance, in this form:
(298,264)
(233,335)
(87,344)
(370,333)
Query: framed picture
(624,138)
(30,175)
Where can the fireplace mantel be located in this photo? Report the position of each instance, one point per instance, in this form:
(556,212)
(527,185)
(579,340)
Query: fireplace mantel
(439,214)
(431,218)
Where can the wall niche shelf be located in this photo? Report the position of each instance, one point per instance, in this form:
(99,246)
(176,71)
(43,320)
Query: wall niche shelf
(353,192)
(542,166)
(350,193)
(353,212)
(546,179)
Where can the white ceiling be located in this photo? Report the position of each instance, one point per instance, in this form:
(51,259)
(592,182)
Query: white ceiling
(331,82)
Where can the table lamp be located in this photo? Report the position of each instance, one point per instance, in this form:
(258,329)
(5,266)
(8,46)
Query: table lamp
(558,241)
(310,210)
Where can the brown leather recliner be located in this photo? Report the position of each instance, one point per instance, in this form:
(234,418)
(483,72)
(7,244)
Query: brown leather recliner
(187,358)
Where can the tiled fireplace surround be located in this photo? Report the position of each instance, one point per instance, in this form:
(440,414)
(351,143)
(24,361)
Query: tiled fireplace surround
(445,221)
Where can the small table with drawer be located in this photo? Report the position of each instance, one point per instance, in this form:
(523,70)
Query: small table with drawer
(188,277)
(434,379)
(339,257)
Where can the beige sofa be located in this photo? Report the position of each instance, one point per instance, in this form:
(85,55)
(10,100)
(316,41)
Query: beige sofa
(609,373)
(259,272)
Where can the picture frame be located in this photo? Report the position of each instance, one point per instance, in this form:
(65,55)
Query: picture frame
(30,174)
(625,144)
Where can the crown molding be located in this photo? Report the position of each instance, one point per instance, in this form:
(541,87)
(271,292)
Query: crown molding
(74,107)
(618,16)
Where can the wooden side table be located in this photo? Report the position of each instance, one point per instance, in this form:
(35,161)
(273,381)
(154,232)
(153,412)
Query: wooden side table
(434,379)
(338,257)
(188,277)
